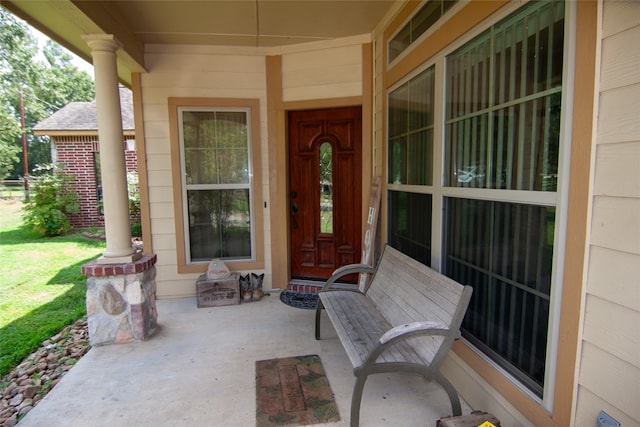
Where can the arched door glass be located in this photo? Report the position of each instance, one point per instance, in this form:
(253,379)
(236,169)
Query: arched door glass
(326,188)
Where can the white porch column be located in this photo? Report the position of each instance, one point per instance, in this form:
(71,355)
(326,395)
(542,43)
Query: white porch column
(112,157)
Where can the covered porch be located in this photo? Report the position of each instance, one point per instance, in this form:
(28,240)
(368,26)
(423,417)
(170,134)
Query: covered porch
(199,369)
(268,59)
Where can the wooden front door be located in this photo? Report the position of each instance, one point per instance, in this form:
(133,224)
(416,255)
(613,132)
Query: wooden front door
(325,181)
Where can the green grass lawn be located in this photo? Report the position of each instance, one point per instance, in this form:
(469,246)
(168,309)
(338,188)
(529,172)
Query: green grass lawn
(42,288)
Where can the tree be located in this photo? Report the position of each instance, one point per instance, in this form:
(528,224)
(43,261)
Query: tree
(46,85)
(9,131)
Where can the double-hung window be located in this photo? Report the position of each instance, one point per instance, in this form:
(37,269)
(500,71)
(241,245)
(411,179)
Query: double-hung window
(410,165)
(503,97)
(496,196)
(217,182)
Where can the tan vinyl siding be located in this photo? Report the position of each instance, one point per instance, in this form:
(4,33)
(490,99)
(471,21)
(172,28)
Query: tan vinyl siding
(613,275)
(312,75)
(590,400)
(622,341)
(617,171)
(616,224)
(620,58)
(334,72)
(192,72)
(613,380)
(618,120)
(609,363)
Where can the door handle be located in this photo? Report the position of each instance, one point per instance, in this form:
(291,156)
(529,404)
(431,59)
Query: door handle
(294,210)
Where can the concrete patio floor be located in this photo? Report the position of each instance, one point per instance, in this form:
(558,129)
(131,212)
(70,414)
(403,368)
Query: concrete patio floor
(199,370)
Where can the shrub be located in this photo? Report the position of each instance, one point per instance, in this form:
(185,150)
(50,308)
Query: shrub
(52,197)
(134,203)
(134,195)
(136,230)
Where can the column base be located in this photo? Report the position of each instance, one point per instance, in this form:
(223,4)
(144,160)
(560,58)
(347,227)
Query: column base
(119,260)
(121,300)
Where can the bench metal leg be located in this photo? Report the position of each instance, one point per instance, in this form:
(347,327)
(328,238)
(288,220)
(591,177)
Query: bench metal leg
(356,399)
(451,391)
(319,308)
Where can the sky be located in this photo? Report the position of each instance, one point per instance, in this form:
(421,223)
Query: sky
(77,61)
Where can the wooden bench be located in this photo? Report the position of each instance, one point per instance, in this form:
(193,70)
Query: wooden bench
(406,321)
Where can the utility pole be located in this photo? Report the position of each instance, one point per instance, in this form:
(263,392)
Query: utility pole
(25,157)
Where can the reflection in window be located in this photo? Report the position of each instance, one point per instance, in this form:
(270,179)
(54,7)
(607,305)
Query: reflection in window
(411,130)
(503,103)
(503,109)
(505,250)
(424,19)
(216,150)
(410,224)
(219,224)
(326,188)
(215,146)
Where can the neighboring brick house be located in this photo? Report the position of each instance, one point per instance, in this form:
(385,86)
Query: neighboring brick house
(74,143)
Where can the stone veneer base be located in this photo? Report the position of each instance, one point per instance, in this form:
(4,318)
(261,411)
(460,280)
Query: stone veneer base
(121,300)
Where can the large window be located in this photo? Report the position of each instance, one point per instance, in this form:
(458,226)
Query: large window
(411,131)
(410,224)
(503,103)
(505,251)
(502,132)
(419,23)
(215,147)
(483,161)
(410,163)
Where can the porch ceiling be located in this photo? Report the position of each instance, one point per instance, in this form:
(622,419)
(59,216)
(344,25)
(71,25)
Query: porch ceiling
(254,23)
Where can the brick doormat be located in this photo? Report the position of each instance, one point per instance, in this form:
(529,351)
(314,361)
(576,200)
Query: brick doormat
(293,390)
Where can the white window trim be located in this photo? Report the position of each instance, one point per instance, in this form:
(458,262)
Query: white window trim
(562,208)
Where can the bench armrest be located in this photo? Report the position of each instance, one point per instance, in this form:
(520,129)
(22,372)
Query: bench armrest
(422,328)
(403,332)
(346,270)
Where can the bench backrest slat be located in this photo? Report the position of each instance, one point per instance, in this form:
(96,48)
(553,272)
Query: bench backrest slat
(406,290)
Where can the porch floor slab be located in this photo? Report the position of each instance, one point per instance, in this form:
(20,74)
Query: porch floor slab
(199,370)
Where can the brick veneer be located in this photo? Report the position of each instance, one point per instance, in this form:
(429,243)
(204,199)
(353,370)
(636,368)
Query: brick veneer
(93,269)
(304,287)
(76,153)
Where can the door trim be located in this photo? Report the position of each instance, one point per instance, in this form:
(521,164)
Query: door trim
(278,148)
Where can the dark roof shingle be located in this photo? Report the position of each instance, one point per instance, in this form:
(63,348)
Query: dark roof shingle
(79,116)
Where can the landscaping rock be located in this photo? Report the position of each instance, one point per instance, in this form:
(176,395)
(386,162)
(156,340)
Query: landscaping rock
(11,421)
(32,379)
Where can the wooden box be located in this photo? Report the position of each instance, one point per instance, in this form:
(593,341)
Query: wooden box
(218,292)
(474,419)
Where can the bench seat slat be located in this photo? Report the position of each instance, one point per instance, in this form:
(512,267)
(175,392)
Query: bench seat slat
(348,326)
(360,325)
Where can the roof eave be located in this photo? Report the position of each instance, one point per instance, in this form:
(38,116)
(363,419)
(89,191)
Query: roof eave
(67,132)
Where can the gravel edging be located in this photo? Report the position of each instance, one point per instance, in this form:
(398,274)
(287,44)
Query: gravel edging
(39,372)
